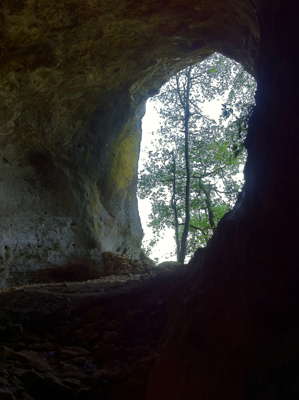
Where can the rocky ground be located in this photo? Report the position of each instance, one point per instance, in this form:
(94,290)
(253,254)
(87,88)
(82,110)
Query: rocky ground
(95,339)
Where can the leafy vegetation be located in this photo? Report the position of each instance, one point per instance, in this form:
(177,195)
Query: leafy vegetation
(192,176)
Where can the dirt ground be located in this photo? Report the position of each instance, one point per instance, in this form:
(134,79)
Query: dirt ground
(96,339)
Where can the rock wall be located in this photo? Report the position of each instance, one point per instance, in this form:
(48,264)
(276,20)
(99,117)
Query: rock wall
(234,328)
(74,77)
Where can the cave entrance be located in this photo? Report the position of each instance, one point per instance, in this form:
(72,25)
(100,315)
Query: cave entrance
(192,155)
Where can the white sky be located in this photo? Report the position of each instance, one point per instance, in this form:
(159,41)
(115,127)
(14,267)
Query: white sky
(165,248)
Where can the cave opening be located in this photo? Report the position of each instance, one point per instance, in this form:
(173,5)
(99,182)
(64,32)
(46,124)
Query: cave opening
(193,155)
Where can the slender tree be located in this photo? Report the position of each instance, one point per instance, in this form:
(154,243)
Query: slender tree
(184,100)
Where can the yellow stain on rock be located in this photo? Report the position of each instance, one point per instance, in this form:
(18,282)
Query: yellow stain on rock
(124,164)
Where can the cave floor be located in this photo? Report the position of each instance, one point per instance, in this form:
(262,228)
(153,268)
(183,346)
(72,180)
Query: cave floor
(84,340)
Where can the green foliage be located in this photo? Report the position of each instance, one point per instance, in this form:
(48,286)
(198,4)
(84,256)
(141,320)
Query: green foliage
(216,150)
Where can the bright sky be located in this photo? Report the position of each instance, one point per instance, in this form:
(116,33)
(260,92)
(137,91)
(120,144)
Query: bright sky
(165,248)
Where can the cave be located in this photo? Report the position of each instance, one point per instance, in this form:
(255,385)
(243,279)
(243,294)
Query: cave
(74,80)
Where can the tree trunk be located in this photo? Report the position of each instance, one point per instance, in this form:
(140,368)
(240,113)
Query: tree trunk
(174,207)
(185,103)
(208,202)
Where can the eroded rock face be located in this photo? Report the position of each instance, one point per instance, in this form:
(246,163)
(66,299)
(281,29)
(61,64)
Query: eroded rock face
(73,80)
